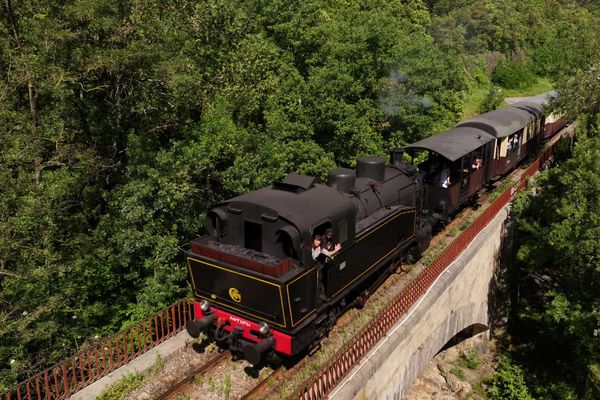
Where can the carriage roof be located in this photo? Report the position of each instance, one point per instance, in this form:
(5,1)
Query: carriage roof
(455,143)
(501,123)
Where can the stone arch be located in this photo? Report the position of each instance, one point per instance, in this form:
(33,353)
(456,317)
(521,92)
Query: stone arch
(473,315)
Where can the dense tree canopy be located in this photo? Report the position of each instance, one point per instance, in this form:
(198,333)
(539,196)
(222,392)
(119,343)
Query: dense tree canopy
(558,329)
(123,121)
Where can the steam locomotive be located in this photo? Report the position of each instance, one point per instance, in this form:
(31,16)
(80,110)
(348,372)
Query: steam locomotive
(259,290)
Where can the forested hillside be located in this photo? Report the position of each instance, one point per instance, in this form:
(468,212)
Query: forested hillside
(121,122)
(553,346)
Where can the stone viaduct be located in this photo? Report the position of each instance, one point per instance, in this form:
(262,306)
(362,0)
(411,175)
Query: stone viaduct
(459,302)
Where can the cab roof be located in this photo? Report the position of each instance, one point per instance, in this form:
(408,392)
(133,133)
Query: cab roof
(303,208)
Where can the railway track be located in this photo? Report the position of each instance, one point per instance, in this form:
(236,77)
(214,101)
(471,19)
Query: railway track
(213,371)
(204,369)
(261,390)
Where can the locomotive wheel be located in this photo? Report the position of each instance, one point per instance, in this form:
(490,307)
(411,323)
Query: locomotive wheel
(412,255)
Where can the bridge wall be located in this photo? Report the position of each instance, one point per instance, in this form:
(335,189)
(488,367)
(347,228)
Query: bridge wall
(457,300)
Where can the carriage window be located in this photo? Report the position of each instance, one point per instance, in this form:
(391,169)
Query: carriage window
(252,235)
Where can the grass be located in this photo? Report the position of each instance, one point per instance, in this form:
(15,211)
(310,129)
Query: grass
(226,389)
(479,388)
(474,100)
(469,359)
(542,85)
(459,373)
(479,91)
(129,383)
(159,364)
(122,388)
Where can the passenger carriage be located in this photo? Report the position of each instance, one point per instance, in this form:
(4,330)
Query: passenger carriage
(516,132)
(457,150)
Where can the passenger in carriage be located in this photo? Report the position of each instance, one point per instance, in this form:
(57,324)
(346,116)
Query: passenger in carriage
(476,164)
(513,142)
(445,177)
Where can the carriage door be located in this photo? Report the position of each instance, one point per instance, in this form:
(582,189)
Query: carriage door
(464,177)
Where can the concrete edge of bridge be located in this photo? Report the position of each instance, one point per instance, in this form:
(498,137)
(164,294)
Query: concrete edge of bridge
(165,351)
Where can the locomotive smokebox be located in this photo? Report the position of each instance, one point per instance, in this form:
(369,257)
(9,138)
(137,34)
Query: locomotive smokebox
(371,167)
(343,179)
(255,353)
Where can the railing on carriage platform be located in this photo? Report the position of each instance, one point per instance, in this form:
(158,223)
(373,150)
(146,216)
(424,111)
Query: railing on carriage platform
(322,382)
(103,357)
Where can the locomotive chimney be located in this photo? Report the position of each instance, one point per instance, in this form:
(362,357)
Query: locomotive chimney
(396,157)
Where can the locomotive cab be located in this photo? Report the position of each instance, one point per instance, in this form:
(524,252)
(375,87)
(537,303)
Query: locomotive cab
(255,269)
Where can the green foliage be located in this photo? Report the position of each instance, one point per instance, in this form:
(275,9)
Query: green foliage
(122,388)
(469,359)
(508,383)
(579,96)
(459,373)
(492,101)
(159,364)
(559,219)
(512,75)
(226,389)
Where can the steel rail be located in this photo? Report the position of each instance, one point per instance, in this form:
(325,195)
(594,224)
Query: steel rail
(203,369)
(258,391)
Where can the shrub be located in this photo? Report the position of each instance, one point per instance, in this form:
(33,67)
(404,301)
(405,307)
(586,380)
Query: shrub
(492,100)
(511,75)
(469,359)
(508,383)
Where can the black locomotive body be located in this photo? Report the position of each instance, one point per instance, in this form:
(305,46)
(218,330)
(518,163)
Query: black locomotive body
(262,292)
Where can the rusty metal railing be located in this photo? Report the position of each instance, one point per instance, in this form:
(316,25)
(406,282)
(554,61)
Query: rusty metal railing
(103,357)
(320,384)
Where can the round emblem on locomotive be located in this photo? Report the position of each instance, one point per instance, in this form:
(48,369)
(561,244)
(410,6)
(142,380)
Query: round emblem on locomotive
(235,295)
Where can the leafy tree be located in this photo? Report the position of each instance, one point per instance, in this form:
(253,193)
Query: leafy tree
(492,100)
(580,94)
(562,228)
(508,383)
(511,75)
